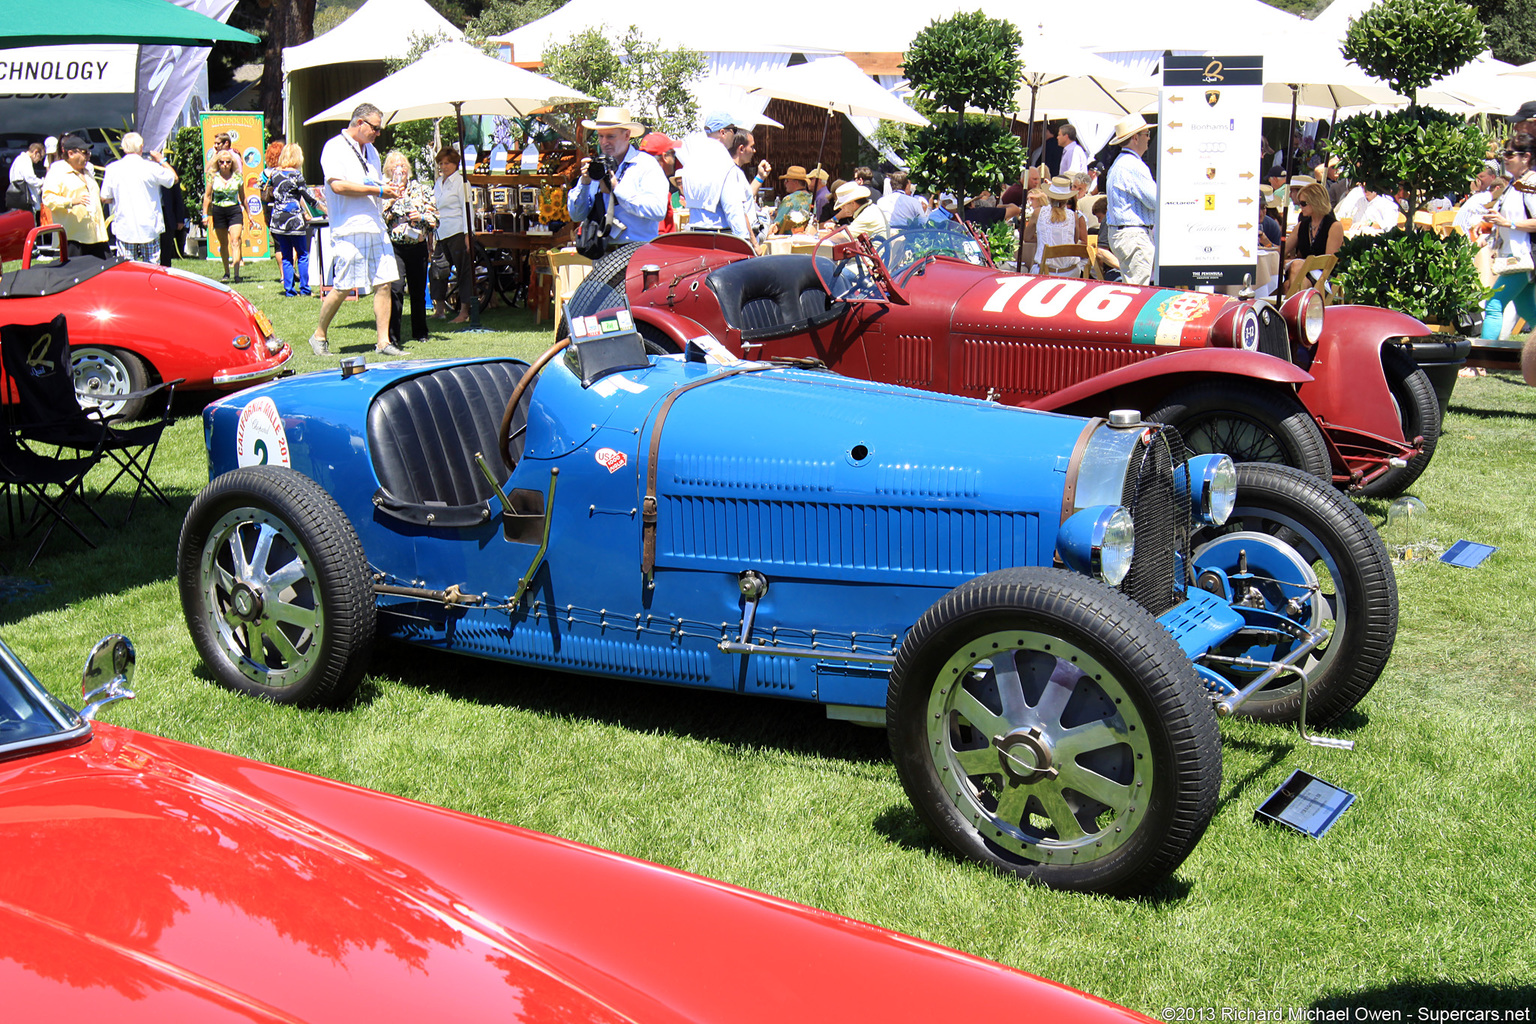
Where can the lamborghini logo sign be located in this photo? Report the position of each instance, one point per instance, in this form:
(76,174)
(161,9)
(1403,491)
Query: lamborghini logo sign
(1212,96)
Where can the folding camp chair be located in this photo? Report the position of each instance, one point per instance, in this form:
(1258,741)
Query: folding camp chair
(47,411)
(29,474)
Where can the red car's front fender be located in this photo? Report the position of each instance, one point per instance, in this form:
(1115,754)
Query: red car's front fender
(1143,385)
(1349,385)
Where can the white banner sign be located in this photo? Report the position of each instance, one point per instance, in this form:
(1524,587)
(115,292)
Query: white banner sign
(1210,119)
(169,74)
(93,68)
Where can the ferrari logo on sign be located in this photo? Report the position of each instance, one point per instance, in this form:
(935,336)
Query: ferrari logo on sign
(1212,96)
(1210,203)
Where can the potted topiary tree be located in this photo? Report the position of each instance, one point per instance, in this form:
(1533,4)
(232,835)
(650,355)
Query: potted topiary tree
(1410,44)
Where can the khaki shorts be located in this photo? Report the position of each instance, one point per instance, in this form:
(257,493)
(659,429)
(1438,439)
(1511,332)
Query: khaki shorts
(362,261)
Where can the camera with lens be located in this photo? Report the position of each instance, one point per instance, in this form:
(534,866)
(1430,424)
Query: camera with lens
(601,168)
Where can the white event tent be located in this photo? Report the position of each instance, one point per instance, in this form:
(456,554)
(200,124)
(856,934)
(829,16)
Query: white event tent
(349,58)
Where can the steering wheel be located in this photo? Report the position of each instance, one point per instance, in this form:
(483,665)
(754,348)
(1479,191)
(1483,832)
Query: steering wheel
(524,385)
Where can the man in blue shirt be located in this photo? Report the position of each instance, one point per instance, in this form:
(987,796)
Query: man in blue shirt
(1132,195)
(634,193)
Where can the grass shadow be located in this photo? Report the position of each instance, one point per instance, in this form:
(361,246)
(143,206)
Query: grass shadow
(1414,996)
(735,719)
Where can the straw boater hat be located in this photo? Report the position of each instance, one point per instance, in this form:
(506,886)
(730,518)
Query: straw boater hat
(795,173)
(1268,195)
(849,192)
(1127,127)
(1060,187)
(614,117)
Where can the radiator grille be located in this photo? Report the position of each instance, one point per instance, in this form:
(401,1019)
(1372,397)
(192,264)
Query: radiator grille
(1162,520)
(1274,339)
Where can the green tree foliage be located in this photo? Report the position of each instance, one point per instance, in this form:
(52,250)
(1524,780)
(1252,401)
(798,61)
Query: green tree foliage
(639,74)
(184,151)
(1511,28)
(1410,43)
(496,17)
(969,61)
(1428,151)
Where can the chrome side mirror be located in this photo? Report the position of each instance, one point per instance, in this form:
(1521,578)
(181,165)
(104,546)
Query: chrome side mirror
(108,671)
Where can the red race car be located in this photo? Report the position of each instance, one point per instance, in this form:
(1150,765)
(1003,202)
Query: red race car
(131,324)
(149,880)
(1335,392)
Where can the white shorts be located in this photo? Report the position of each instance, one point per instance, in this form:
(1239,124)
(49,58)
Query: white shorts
(362,261)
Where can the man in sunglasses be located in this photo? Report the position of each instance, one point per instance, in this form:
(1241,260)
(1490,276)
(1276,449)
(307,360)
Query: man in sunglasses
(360,255)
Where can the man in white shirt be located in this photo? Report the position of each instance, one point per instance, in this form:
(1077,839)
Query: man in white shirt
(1380,214)
(899,205)
(132,185)
(1074,155)
(713,186)
(360,253)
(24,174)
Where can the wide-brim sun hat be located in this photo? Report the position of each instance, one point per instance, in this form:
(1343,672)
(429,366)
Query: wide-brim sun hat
(849,192)
(816,174)
(1126,127)
(795,173)
(614,117)
(1060,187)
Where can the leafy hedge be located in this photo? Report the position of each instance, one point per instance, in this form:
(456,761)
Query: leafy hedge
(1427,150)
(1414,272)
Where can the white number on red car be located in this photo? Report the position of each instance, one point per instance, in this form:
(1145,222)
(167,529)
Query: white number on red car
(1046,297)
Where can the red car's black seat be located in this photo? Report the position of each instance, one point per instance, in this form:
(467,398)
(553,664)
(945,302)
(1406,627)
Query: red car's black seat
(771,296)
(423,434)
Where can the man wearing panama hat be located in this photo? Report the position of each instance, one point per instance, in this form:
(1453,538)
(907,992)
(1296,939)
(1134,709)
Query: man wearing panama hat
(1132,197)
(627,187)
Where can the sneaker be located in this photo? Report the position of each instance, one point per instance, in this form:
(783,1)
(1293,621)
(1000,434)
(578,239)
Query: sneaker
(390,350)
(320,346)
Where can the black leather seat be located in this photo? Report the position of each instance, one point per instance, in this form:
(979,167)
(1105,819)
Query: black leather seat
(423,434)
(771,296)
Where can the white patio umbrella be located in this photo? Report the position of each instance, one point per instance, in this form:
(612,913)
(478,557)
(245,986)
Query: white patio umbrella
(454,79)
(839,85)
(1060,78)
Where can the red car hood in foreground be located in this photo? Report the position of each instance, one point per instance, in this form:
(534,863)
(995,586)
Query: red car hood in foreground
(143,879)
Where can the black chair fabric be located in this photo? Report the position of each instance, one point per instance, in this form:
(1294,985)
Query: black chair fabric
(771,296)
(30,474)
(46,410)
(423,434)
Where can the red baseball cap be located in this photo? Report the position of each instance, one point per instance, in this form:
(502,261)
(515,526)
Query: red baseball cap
(655,143)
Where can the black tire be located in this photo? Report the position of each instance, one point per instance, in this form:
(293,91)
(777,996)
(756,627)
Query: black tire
(316,632)
(1418,410)
(607,274)
(1357,588)
(1249,422)
(101,373)
(1155,770)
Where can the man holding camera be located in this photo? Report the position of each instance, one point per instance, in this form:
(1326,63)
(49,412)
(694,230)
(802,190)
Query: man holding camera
(626,187)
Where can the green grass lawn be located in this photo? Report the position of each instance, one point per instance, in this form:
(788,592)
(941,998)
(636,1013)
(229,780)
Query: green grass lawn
(1421,895)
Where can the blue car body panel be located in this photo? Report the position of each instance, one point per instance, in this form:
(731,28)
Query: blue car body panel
(861,503)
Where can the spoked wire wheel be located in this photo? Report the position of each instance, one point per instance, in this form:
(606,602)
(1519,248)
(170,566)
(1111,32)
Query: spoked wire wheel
(263,592)
(1040,747)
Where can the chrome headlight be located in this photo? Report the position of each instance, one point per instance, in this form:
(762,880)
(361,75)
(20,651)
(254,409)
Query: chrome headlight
(1099,541)
(1303,314)
(1213,487)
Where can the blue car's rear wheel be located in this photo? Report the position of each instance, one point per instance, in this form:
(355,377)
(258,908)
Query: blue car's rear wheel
(1046,725)
(275,587)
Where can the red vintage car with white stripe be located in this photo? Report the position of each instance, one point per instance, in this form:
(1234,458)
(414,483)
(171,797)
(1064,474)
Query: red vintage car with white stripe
(1337,392)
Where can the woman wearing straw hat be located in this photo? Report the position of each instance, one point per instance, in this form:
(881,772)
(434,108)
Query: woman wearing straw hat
(1132,201)
(1059,224)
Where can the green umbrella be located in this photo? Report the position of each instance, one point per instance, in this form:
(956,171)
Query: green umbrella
(112,21)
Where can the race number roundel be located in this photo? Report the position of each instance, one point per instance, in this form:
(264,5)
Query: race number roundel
(260,437)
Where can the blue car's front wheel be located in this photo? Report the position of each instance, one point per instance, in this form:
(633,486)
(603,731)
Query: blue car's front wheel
(275,587)
(1047,725)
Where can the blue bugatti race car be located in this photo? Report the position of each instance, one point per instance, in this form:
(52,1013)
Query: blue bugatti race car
(1040,609)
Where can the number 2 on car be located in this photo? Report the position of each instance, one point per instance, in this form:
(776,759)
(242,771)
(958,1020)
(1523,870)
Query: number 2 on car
(1048,296)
